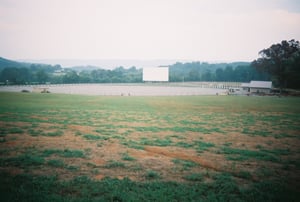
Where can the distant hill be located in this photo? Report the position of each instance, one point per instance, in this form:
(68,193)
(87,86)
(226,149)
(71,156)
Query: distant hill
(4,63)
(38,72)
(87,68)
(108,63)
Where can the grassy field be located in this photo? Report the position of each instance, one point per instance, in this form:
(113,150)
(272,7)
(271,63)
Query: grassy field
(196,148)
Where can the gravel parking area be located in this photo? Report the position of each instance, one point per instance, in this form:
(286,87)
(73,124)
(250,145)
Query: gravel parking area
(119,89)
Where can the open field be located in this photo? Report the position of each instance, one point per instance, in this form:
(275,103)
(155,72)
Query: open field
(57,147)
(139,89)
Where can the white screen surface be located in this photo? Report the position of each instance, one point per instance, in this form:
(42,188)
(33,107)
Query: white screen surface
(156,74)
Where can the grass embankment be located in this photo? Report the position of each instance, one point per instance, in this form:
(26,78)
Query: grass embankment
(89,148)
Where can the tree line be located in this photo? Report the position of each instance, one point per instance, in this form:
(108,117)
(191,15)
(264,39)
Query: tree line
(279,63)
(196,71)
(27,74)
(179,72)
(282,62)
(41,74)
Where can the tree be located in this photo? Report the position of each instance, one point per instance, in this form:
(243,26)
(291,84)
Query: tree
(207,76)
(70,77)
(280,61)
(219,74)
(84,77)
(42,76)
(10,75)
(294,71)
(229,74)
(193,75)
(24,75)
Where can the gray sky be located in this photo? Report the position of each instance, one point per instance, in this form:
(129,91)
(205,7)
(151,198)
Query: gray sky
(204,30)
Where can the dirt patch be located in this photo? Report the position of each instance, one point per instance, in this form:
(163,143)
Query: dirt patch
(39,118)
(100,152)
(98,161)
(82,129)
(185,154)
(99,177)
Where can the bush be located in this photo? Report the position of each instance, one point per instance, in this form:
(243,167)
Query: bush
(151,174)
(115,164)
(194,177)
(56,163)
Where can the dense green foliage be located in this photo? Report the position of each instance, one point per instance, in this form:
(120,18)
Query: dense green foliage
(279,63)
(282,62)
(10,63)
(12,72)
(196,71)
(30,188)
(179,72)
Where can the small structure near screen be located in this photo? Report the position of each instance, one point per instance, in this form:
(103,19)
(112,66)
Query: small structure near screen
(262,87)
(156,74)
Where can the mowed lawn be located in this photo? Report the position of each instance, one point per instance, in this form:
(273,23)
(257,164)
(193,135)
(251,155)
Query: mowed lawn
(56,147)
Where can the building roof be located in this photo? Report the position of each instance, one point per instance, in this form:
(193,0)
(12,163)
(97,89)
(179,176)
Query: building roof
(261,84)
(258,84)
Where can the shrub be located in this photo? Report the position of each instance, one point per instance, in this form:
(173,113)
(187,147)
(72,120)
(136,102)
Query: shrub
(126,157)
(15,130)
(22,161)
(194,177)
(53,134)
(115,164)
(187,165)
(56,163)
(64,153)
(151,174)
(95,137)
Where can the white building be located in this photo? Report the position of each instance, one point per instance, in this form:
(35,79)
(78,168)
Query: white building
(257,87)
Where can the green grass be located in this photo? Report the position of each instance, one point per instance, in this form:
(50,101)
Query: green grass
(244,154)
(264,133)
(244,174)
(39,132)
(22,161)
(33,132)
(78,133)
(156,142)
(186,165)
(177,123)
(53,134)
(56,163)
(149,129)
(27,188)
(94,137)
(3,131)
(132,144)
(64,153)
(72,168)
(115,164)
(127,157)
(107,129)
(184,144)
(15,130)
(194,177)
(151,174)
(203,146)
(277,152)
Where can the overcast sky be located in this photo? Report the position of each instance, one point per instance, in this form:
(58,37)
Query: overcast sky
(202,30)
